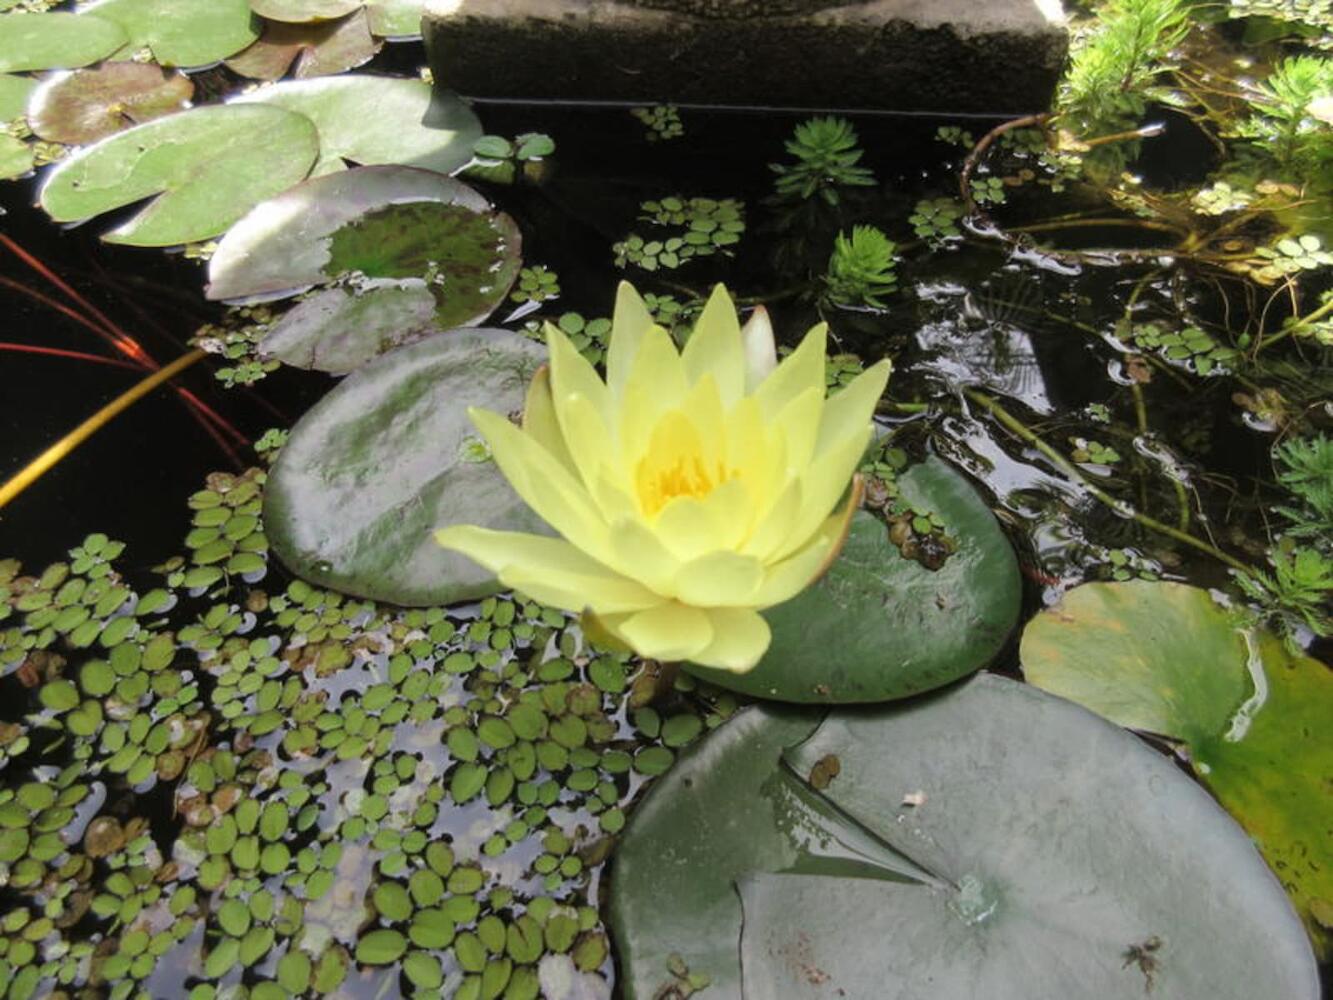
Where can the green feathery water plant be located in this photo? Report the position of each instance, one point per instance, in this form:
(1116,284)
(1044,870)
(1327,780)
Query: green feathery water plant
(1283,122)
(827,158)
(861,269)
(1305,468)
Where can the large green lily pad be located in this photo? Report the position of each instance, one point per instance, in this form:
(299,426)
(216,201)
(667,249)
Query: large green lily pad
(320,48)
(55,41)
(183,32)
(880,626)
(88,104)
(1058,856)
(399,19)
(390,455)
(304,10)
(1253,719)
(16,157)
(208,167)
(379,119)
(14,93)
(339,329)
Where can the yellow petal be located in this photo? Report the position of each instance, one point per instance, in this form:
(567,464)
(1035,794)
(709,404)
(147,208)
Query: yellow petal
(788,578)
(589,440)
(800,370)
(774,526)
(853,407)
(669,631)
(540,422)
(572,375)
(799,424)
(823,482)
(761,352)
(740,639)
(720,579)
(629,323)
(656,384)
(638,553)
(545,485)
(549,570)
(714,348)
(691,527)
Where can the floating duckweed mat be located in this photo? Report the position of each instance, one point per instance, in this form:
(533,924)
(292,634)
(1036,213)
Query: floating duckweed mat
(223,783)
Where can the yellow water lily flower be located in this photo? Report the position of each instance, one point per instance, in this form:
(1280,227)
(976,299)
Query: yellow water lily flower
(692,488)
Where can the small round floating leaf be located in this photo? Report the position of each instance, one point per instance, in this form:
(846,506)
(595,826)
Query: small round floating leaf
(234,917)
(392,901)
(880,626)
(55,41)
(379,120)
(208,166)
(59,695)
(1164,658)
(373,468)
(222,958)
(943,856)
(380,947)
(323,48)
(304,10)
(88,104)
(423,970)
(182,32)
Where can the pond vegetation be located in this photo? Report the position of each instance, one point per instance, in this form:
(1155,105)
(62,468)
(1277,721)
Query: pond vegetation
(265,738)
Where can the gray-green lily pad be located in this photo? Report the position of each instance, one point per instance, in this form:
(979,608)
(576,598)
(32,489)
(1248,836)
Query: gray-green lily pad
(320,48)
(16,157)
(399,19)
(14,93)
(880,626)
(1057,857)
(208,167)
(304,10)
(1253,717)
(182,32)
(379,120)
(55,41)
(339,329)
(88,104)
(390,455)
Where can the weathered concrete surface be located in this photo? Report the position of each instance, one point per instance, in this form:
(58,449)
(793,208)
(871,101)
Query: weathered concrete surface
(1001,56)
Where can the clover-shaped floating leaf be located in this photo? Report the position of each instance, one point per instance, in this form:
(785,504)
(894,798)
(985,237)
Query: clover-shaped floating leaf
(88,104)
(1164,658)
(55,41)
(1056,856)
(378,119)
(881,626)
(415,252)
(321,48)
(208,166)
(182,32)
(14,93)
(388,456)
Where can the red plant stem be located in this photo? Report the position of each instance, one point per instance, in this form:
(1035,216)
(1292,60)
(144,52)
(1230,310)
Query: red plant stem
(118,337)
(60,352)
(218,420)
(61,308)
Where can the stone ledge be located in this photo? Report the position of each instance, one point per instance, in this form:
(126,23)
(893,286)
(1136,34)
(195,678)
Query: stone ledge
(1000,56)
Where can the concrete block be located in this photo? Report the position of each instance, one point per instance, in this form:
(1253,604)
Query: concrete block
(1000,56)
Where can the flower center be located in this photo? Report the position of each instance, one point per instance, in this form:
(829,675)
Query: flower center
(676,464)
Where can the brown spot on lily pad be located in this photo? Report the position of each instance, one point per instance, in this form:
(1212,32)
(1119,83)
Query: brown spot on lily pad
(89,104)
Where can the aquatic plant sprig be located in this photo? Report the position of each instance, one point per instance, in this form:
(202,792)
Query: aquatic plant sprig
(692,488)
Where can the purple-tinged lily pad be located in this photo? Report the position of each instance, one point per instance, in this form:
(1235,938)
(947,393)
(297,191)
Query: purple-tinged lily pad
(320,48)
(88,104)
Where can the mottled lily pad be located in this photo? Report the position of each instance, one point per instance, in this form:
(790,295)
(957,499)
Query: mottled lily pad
(85,105)
(1057,857)
(378,119)
(1253,718)
(55,41)
(322,48)
(388,456)
(208,166)
(182,32)
(15,157)
(881,626)
(14,93)
(304,10)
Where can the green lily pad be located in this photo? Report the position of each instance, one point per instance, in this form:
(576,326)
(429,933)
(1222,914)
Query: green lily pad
(208,166)
(304,10)
(1055,856)
(15,157)
(339,329)
(880,626)
(1253,718)
(55,41)
(182,32)
(379,120)
(88,104)
(400,19)
(323,48)
(388,456)
(14,93)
